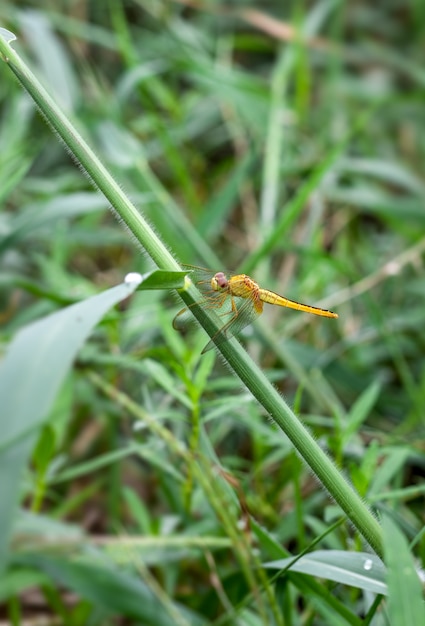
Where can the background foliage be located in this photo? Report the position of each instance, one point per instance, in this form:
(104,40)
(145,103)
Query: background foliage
(286,142)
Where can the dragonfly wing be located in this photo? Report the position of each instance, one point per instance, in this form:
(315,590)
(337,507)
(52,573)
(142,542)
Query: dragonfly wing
(221,306)
(200,277)
(218,301)
(245,314)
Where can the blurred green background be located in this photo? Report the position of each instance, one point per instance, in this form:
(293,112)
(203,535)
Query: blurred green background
(285,140)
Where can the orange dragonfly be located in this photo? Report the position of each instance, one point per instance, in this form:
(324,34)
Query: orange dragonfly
(237,296)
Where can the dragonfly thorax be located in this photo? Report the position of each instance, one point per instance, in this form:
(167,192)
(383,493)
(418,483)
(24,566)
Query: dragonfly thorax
(219,282)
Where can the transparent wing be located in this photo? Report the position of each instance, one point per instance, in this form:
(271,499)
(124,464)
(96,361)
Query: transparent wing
(201,278)
(218,301)
(247,310)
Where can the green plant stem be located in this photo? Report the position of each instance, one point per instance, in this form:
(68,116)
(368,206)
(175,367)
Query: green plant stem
(251,375)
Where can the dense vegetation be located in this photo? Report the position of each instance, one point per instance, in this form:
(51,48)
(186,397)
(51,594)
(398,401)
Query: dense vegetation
(286,142)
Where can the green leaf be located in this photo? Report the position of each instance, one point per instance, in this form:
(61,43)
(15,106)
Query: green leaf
(357,569)
(7,35)
(360,410)
(35,367)
(406,602)
(378,202)
(216,213)
(388,470)
(163,279)
(17,581)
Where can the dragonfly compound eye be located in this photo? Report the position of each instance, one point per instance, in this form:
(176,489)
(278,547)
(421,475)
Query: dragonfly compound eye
(219,281)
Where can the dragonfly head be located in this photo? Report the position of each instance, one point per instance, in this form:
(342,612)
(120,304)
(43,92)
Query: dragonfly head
(219,282)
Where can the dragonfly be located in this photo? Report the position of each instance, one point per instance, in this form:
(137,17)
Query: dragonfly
(237,298)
